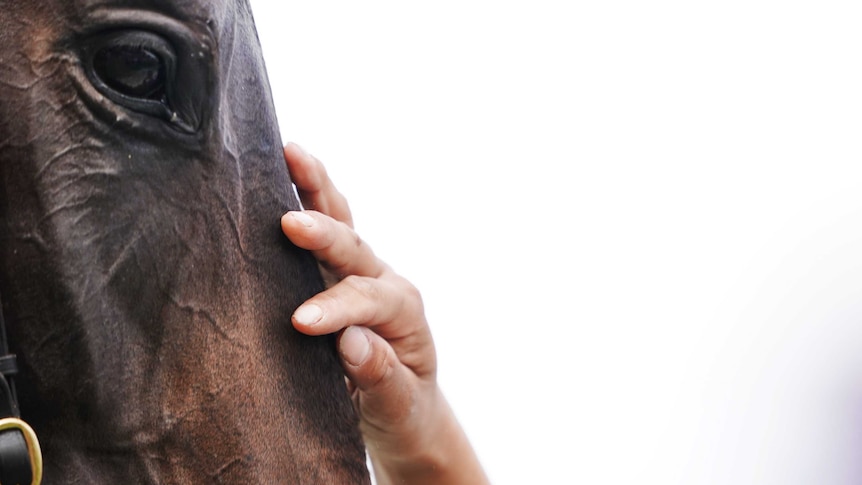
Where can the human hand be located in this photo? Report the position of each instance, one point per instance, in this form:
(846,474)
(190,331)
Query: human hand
(385,343)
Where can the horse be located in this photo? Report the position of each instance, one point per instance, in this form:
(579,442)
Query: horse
(146,286)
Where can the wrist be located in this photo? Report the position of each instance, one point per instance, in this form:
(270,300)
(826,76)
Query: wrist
(438,452)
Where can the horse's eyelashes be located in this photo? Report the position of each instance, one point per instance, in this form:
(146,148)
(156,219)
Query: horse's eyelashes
(131,70)
(139,71)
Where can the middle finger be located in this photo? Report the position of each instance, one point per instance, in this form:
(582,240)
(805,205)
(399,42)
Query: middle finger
(355,300)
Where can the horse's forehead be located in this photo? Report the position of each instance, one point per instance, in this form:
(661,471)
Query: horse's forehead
(180,8)
(66,13)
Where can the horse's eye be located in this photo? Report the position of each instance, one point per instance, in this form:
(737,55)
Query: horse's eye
(141,72)
(134,71)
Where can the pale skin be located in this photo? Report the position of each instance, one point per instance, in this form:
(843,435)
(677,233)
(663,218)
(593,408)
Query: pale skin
(384,341)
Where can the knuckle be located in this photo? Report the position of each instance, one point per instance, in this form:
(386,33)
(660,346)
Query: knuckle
(357,241)
(360,285)
(412,296)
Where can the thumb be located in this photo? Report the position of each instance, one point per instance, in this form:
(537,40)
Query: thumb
(373,367)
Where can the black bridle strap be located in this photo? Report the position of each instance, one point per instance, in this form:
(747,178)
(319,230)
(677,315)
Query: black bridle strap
(20,457)
(8,369)
(15,465)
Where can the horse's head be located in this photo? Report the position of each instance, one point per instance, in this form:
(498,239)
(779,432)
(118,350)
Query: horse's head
(145,282)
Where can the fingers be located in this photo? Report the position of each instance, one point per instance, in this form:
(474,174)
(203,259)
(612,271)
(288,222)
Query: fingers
(374,369)
(355,300)
(389,306)
(316,190)
(338,248)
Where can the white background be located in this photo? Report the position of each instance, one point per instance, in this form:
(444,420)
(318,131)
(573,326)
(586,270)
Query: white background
(637,226)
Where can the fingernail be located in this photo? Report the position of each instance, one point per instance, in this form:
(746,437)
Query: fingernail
(301,150)
(308,314)
(355,346)
(303,218)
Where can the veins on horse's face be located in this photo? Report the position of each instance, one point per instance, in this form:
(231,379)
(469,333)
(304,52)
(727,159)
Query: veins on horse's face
(139,147)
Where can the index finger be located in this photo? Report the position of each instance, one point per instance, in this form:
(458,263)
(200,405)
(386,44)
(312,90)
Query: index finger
(335,245)
(316,190)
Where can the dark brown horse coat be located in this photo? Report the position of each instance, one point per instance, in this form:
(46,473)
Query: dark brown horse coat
(145,281)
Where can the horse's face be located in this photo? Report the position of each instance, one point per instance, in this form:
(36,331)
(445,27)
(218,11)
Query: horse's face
(146,284)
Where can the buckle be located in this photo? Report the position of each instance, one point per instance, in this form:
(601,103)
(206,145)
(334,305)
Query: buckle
(33,449)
